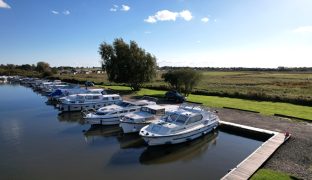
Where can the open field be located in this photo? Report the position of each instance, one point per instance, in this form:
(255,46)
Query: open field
(264,107)
(293,87)
(267,174)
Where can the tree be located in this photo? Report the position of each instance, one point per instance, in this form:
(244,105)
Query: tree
(182,80)
(44,68)
(127,63)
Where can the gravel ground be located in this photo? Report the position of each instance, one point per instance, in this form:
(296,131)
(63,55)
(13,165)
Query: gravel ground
(293,157)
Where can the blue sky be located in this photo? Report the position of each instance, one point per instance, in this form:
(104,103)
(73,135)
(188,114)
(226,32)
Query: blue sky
(217,33)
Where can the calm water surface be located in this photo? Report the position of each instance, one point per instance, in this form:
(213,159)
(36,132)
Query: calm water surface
(37,142)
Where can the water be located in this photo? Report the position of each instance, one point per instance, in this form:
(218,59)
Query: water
(39,143)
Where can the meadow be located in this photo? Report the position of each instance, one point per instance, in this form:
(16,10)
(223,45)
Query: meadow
(291,87)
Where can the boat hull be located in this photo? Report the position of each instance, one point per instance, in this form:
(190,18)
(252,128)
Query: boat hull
(81,107)
(132,127)
(103,121)
(176,139)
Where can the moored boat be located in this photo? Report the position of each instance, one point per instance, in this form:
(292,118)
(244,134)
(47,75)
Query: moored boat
(189,122)
(82,102)
(110,115)
(133,122)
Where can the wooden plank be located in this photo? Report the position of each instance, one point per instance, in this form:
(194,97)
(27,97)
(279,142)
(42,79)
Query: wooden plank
(253,162)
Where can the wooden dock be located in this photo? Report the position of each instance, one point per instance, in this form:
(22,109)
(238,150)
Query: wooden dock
(253,162)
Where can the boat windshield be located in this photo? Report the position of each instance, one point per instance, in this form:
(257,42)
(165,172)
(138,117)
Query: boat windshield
(100,113)
(173,117)
(124,104)
(181,119)
(79,97)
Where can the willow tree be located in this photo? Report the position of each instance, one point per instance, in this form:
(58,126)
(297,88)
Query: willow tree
(182,80)
(127,63)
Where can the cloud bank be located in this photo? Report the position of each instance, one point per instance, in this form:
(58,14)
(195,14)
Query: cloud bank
(304,29)
(4,5)
(166,15)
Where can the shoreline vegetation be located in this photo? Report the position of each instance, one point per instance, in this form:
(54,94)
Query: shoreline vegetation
(288,87)
(281,92)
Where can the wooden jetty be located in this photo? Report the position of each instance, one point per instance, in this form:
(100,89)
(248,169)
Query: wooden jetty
(253,162)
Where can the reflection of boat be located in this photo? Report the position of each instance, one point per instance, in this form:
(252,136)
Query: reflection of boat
(3,79)
(187,123)
(179,152)
(111,114)
(75,117)
(105,131)
(130,141)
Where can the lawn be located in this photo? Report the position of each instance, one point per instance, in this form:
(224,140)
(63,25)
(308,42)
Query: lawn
(264,107)
(267,174)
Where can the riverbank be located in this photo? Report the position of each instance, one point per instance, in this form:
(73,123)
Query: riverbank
(263,107)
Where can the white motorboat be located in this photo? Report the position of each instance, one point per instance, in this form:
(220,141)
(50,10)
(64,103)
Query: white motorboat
(133,122)
(189,122)
(72,95)
(3,79)
(110,115)
(81,102)
(72,90)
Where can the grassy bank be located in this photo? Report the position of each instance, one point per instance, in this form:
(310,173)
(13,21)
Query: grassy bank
(290,87)
(264,107)
(267,174)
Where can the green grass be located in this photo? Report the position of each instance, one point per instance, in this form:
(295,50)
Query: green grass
(267,174)
(264,107)
(276,86)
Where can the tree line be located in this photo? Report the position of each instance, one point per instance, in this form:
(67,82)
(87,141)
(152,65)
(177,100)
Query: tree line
(281,68)
(41,69)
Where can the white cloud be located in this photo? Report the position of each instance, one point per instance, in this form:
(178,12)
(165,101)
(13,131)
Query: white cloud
(4,5)
(54,12)
(166,15)
(304,29)
(204,19)
(66,12)
(186,15)
(114,8)
(125,8)
(150,19)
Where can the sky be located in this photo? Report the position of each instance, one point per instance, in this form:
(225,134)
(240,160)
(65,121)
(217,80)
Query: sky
(197,33)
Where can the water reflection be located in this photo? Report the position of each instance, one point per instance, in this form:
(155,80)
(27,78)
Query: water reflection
(132,140)
(36,138)
(72,117)
(104,131)
(125,140)
(179,152)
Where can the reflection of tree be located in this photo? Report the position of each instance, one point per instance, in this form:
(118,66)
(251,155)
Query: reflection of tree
(183,151)
(71,117)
